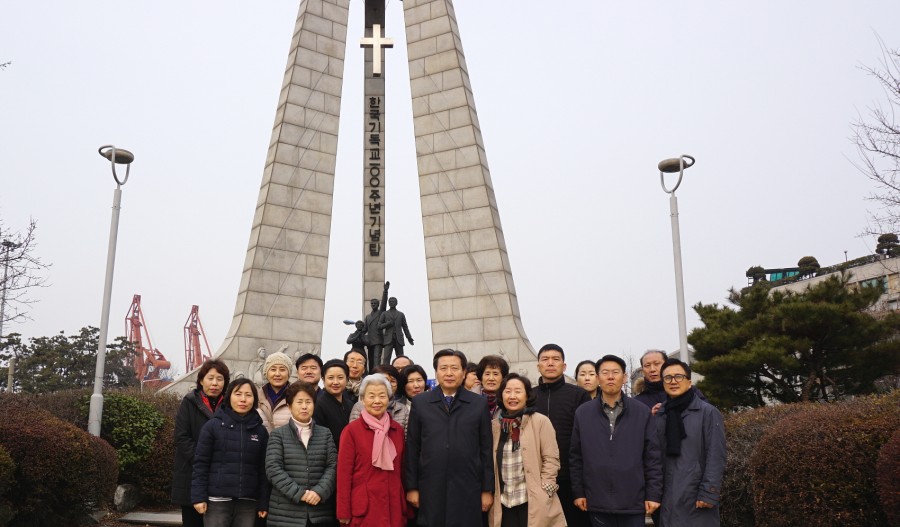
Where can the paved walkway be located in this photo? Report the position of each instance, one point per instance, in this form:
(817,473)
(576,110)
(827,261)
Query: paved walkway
(153,518)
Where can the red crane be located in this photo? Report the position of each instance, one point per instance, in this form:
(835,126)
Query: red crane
(150,365)
(193,330)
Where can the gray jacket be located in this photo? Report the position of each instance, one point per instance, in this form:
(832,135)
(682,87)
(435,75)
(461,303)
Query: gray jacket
(293,469)
(697,473)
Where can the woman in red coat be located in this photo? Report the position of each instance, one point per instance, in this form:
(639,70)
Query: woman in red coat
(369,487)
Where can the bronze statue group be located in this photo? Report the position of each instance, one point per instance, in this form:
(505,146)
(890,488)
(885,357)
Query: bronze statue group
(362,442)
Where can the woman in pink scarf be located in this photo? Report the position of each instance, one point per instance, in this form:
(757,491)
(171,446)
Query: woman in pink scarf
(370,463)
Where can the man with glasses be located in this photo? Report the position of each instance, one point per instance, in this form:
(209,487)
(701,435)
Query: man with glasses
(449,464)
(692,439)
(615,459)
(558,400)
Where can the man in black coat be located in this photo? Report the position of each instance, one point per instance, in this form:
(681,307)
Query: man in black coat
(558,400)
(653,394)
(449,464)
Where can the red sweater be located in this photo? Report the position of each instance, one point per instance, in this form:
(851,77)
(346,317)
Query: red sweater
(368,495)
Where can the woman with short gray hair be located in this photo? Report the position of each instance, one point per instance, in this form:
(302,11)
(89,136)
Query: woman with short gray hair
(397,409)
(370,488)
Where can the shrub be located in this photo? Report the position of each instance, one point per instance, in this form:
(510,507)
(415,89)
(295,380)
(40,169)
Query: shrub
(106,472)
(68,405)
(743,431)
(130,425)
(817,467)
(888,476)
(59,466)
(154,474)
(7,477)
(152,471)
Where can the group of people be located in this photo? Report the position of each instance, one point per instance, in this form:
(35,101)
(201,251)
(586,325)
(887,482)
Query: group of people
(375,447)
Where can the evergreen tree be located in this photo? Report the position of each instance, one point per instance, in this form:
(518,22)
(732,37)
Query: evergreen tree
(60,362)
(786,347)
(888,245)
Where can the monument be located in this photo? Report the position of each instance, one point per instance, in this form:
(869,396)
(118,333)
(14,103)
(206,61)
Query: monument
(281,297)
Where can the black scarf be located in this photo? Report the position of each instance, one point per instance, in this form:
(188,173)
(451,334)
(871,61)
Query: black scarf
(674,423)
(652,387)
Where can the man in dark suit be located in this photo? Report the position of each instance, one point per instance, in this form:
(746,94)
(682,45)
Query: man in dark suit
(394,324)
(449,465)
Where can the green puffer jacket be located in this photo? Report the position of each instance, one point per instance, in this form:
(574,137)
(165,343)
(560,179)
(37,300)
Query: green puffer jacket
(292,469)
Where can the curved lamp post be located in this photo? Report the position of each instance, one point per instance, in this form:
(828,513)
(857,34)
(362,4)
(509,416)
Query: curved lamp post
(116,156)
(672,166)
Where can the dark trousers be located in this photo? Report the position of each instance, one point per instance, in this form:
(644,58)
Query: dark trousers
(374,358)
(514,516)
(575,517)
(602,519)
(389,347)
(190,517)
(232,513)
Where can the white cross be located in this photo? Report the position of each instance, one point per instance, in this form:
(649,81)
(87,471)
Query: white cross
(376,43)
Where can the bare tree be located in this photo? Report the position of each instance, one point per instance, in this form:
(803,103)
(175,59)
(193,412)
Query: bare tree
(877,138)
(20,271)
(4,65)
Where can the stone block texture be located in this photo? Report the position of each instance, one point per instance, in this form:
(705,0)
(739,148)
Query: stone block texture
(281,298)
(470,285)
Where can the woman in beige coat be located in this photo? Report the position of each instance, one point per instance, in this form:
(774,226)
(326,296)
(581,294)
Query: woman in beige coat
(526,461)
(273,408)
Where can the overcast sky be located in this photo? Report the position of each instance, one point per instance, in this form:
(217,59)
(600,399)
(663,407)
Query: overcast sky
(577,101)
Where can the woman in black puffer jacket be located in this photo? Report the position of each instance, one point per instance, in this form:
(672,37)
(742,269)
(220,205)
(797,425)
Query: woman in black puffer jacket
(229,486)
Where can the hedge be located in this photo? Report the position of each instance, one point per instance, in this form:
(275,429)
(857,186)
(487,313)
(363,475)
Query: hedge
(817,467)
(62,472)
(151,455)
(743,431)
(154,473)
(7,478)
(130,425)
(888,477)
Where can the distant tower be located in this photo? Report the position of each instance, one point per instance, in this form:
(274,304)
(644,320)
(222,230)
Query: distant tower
(281,299)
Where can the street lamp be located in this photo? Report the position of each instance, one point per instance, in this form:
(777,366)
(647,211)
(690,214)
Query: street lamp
(671,166)
(116,156)
(7,246)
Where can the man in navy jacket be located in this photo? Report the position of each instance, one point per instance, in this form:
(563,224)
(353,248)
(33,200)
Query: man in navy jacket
(615,459)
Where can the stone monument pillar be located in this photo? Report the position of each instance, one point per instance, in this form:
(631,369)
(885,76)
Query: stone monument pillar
(281,299)
(470,285)
(374,146)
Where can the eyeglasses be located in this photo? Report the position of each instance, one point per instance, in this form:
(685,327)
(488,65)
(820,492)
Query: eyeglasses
(678,377)
(610,373)
(445,369)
